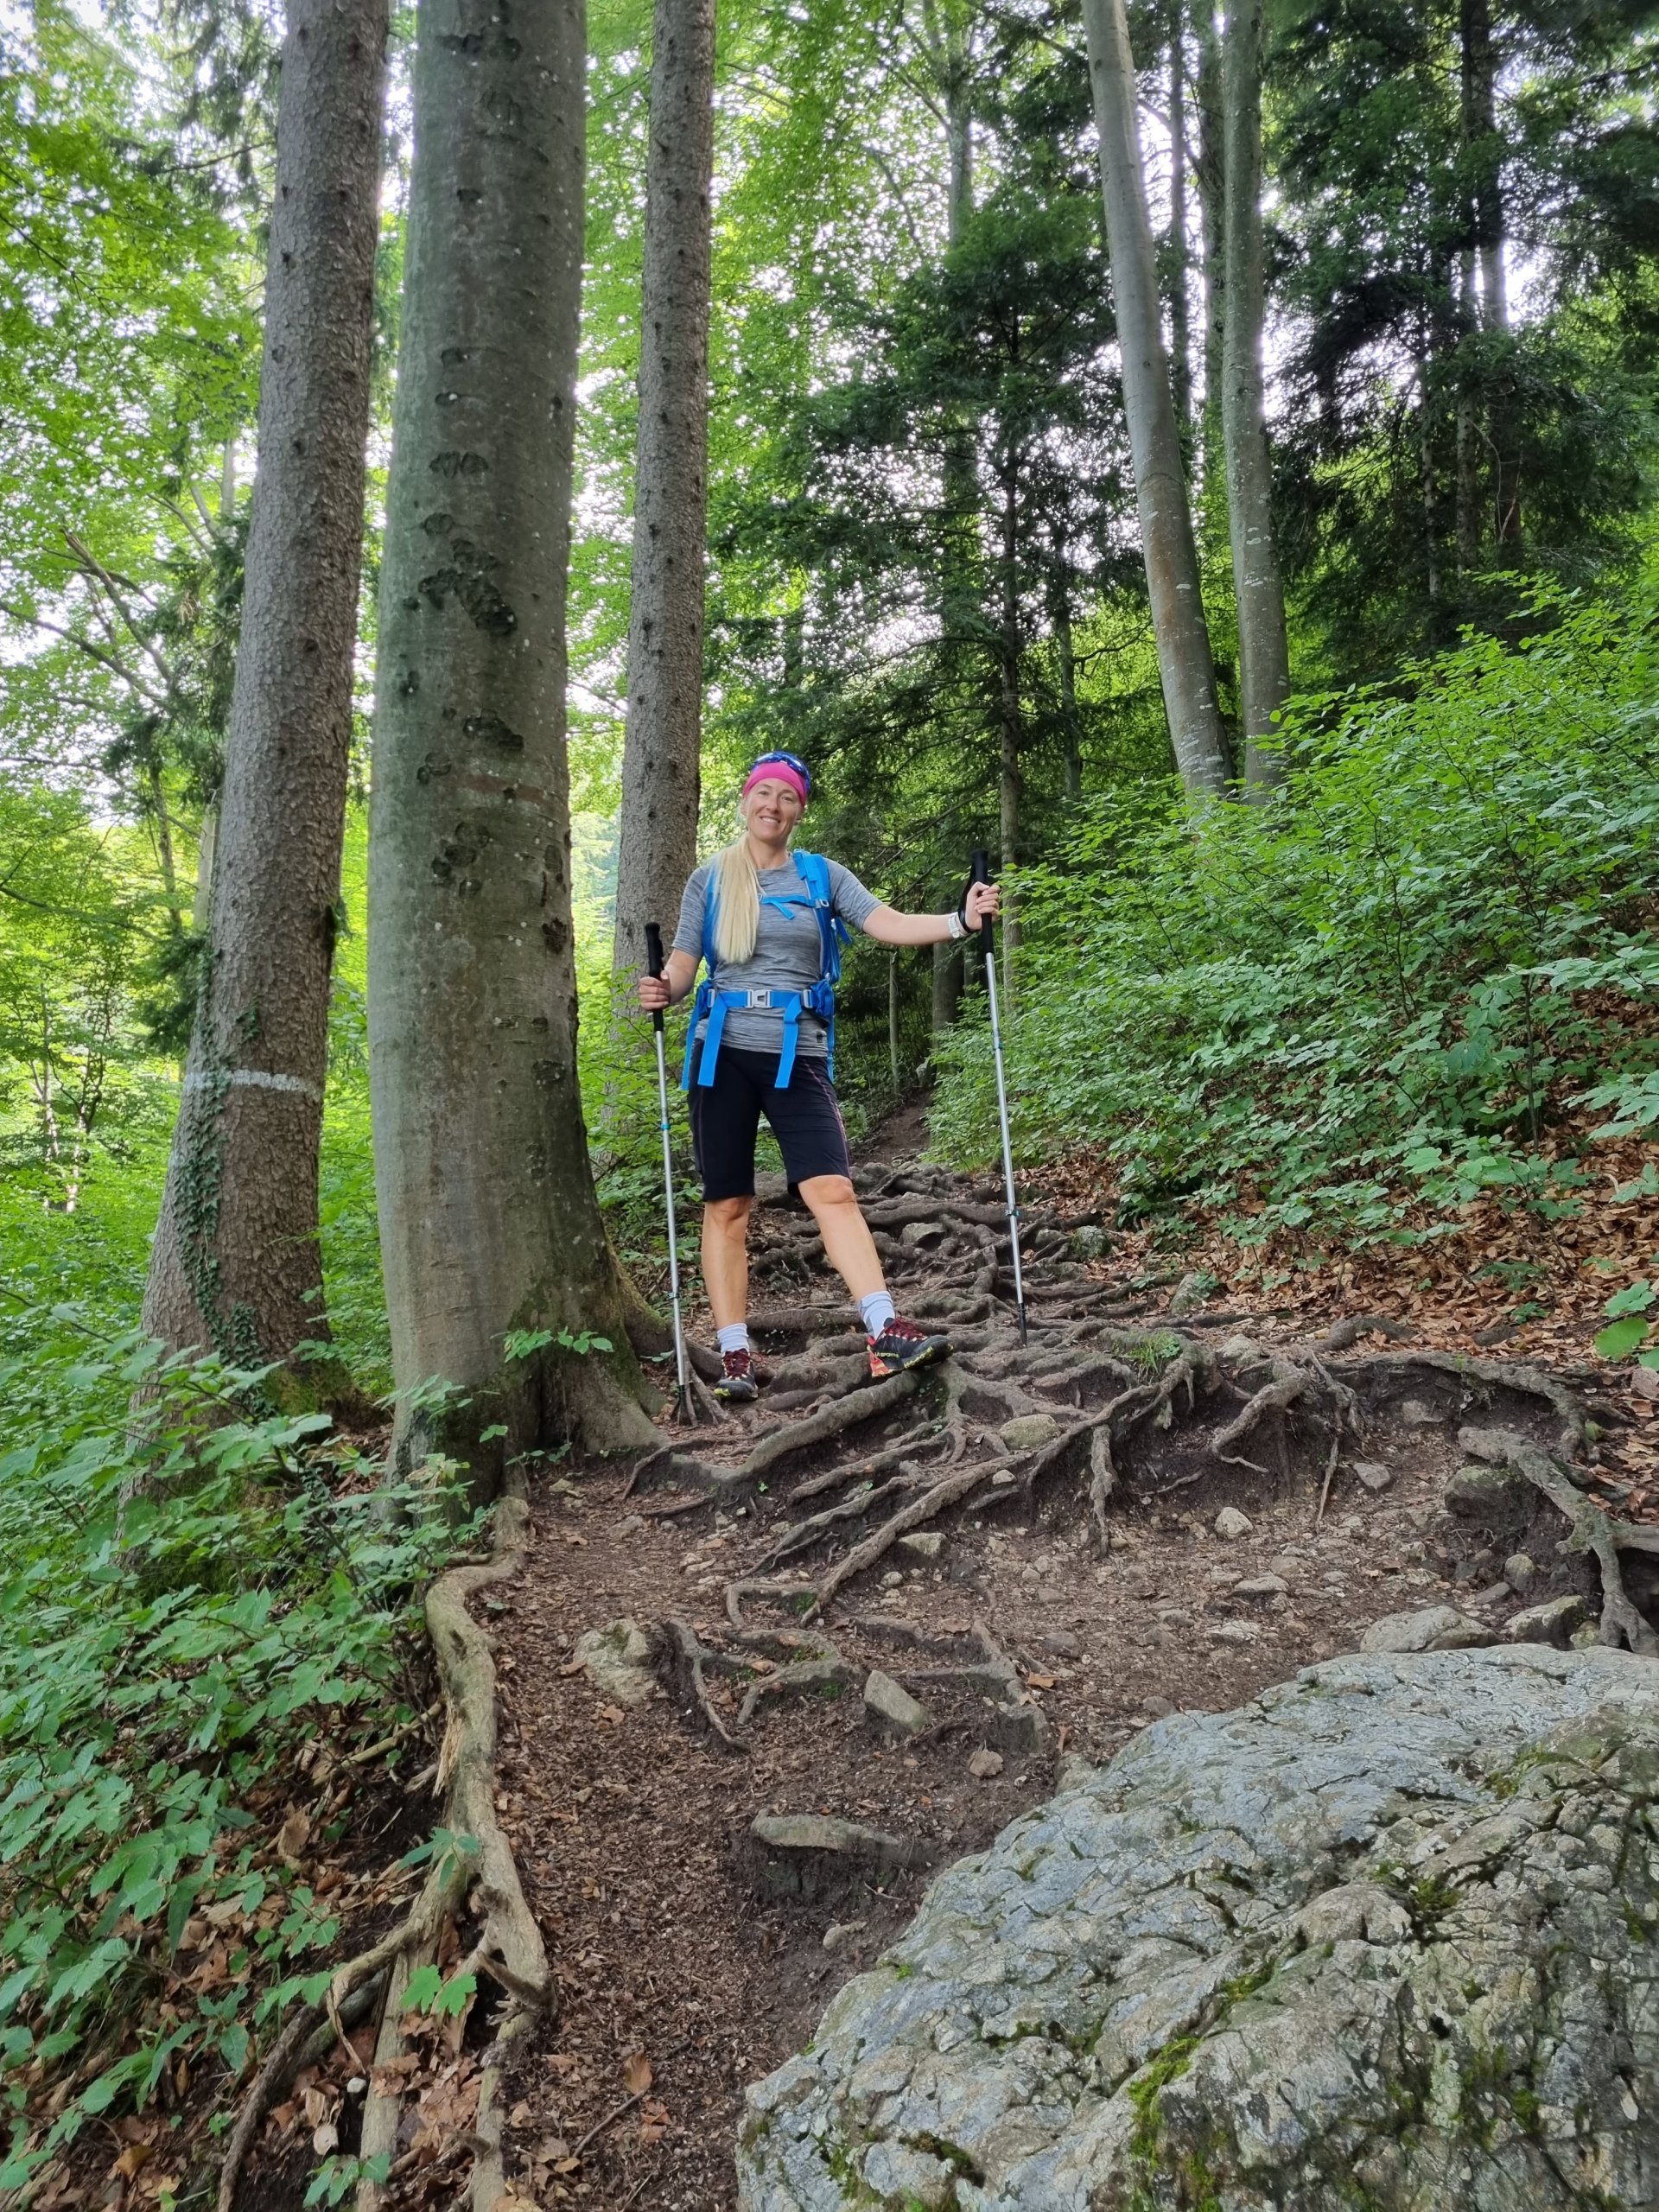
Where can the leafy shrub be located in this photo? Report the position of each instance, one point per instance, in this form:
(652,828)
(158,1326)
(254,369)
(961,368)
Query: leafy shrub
(186,1597)
(1383,985)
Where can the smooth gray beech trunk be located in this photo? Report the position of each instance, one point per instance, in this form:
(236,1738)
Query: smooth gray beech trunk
(661,756)
(1258,586)
(488,1222)
(1208,176)
(1180,332)
(235,1263)
(1184,663)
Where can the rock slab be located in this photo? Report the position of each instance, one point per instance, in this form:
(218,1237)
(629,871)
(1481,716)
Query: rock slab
(1386,1937)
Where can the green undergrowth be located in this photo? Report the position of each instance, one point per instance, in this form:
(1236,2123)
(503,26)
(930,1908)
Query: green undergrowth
(196,1597)
(1379,995)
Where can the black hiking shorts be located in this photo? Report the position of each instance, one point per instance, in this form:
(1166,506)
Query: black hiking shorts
(726,1117)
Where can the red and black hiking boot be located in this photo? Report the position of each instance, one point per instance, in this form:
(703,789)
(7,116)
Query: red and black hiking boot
(740,1384)
(902,1344)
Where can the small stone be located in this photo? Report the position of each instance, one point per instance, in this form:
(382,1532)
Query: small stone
(1029,1431)
(892,1581)
(1520,1572)
(1554,1622)
(1495,1593)
(1435,1628)
(1586,1638)
(1232,1525)
(1090,1241)
(1261,1587)
(1240,1351)
(631,1524)
(922,1543)
(842,1931)
(890,1710)
(1373,1474)
(617,1661)
(916,1233)
(983,1764)
(1236,1632)
(1415,1414)
(808,1855)
(1062,1643)
(1482,1493)
(1159,1708)
(1002,1478)
(1190,1292)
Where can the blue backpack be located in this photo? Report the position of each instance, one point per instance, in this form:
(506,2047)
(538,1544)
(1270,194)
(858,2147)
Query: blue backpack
(714,1004)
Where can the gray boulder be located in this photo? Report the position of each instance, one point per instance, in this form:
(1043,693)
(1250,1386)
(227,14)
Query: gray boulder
(1435,1628)
(1384,1938)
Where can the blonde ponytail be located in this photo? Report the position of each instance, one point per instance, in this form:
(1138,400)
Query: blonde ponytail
(737,904)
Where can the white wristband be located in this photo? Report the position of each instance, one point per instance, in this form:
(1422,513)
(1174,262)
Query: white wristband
(957,926)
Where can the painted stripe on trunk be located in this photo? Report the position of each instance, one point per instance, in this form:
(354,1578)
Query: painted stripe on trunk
(258,1079)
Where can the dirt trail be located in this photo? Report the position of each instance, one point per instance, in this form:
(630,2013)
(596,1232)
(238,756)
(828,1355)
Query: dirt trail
(1077,1589)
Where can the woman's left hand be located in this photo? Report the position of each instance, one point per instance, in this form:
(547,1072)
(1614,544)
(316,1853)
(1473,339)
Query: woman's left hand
(982,904)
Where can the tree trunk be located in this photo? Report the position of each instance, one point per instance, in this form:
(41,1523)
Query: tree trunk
(662,755)
(947,986)
(235,1263)
(1483,153)
(1184,663)
(1071,735)
(1263,644)
(1207,176)
(1010,729)
(893,1021)
(488,1222)
(1180,333)
(1467,520)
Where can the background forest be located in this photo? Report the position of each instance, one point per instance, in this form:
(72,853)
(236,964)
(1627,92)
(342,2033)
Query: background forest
(1406,374)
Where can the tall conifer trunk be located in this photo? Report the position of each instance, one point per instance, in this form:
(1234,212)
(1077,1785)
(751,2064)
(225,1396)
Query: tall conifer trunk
(661,758)
(235,1264)
(488,1221)
(1185,662)
(1263,644)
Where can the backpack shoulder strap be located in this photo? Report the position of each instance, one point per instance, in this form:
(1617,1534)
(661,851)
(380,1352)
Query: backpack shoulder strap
(708,912)
(814,872)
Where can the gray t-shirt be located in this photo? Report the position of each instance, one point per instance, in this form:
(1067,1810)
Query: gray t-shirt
(788,953)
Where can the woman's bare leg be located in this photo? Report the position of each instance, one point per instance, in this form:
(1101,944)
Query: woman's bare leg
(726,1258)
(847,1242)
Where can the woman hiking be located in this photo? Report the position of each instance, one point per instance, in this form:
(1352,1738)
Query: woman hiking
(770,925)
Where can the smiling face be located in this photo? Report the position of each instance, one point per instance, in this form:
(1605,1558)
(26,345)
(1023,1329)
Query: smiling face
(772,809)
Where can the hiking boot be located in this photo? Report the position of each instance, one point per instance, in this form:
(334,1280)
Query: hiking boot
(740,1384)
(902,1344)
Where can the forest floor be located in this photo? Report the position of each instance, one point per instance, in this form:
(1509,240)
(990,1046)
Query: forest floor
(1048,1590)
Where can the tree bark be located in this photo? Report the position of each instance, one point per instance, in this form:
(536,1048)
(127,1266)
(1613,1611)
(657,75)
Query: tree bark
(488,1221)
(1071,732)
(1207,176)
(1180,333)
(946,1002)
(1185,662)
(1483,152)
(1010,729)
(661,754)
(235,1264)
(1263,642)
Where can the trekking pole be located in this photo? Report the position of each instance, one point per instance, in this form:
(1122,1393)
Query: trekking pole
(982,875)
(654,962)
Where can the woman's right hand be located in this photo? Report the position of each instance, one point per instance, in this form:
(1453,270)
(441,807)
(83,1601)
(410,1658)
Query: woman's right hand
(653,992)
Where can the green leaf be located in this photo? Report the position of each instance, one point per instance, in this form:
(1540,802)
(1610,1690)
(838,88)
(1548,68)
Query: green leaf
(1635,1298)
(1621,1337)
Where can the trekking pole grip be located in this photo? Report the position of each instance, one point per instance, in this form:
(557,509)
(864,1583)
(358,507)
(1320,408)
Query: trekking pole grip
(981,873)
(654,962)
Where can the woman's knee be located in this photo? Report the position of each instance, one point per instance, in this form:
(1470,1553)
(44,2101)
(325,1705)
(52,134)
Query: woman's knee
(829,1194)
(728,1216)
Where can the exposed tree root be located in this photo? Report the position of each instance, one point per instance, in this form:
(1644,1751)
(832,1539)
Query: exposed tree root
(1491,1375)
(682,1661)
(1589,1530)
(509,1946)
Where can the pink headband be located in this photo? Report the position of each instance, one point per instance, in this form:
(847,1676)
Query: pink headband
(776,772)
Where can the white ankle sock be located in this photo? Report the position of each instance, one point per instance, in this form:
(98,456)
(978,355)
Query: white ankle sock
(875,1311)
(734,1337)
